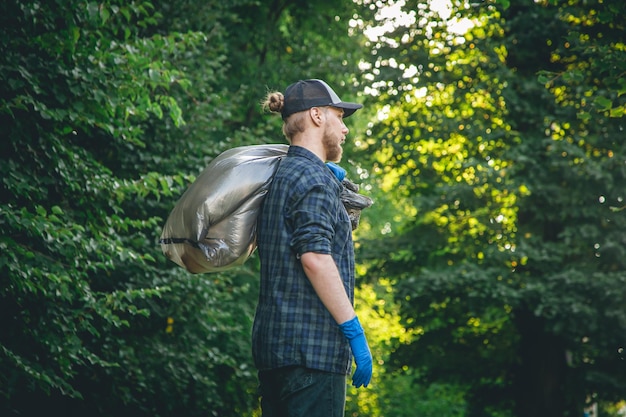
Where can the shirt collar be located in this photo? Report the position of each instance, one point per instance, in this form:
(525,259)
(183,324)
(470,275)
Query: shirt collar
(295,150)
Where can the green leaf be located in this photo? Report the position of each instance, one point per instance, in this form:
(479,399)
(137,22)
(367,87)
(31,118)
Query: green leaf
(622,87)
(584,116)
(504,3)
(602,103)
(104,14)
(617,112)
(543,79)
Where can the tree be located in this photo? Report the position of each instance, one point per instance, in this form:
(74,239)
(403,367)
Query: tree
(506,245)
(109,110)
(96,321)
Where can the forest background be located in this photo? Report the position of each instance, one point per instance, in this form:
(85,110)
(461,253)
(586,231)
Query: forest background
(491,267)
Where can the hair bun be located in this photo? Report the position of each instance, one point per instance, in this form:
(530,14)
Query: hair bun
(276,101)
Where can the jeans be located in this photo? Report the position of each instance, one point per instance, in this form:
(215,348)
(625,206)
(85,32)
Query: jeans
(300,392)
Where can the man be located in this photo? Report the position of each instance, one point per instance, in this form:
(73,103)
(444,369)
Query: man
(305,327)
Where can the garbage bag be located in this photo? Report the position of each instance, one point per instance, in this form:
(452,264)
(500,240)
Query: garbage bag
(213,225)
(353,201)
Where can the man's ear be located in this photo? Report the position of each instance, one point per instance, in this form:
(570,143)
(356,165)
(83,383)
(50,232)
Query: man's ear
(316,115)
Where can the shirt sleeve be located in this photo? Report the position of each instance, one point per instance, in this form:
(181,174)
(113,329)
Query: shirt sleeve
(312,218)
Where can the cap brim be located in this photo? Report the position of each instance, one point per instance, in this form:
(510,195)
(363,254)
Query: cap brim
(348,108)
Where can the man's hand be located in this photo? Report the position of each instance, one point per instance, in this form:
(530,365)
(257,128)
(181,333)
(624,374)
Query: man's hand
(362,356)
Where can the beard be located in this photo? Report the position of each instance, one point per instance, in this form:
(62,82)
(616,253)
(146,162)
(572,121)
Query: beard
(333,148)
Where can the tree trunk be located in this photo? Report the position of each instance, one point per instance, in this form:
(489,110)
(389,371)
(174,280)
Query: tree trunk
(541,378)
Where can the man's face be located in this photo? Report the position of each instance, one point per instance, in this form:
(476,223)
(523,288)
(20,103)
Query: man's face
(335,132)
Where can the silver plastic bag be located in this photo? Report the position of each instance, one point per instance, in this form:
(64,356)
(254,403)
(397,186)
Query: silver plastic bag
(213,225)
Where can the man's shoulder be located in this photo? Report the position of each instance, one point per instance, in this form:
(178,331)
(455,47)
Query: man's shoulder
(299,180)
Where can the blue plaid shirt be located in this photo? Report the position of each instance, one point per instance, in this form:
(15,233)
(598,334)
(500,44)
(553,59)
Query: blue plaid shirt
(302,212)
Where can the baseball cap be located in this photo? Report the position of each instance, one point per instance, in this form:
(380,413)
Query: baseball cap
(304,94)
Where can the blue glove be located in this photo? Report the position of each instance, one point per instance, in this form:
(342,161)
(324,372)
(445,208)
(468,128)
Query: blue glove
(339,172)
(353,331)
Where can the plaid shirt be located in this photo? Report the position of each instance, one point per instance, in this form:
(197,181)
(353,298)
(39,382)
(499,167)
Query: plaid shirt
(301,213)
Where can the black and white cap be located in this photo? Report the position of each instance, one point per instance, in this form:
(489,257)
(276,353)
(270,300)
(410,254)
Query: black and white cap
(305,94)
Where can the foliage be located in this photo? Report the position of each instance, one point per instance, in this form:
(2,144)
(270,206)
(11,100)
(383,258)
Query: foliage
(395,393)
(503,248)
(406,397)
(84,289)
(495,248)
(109,109)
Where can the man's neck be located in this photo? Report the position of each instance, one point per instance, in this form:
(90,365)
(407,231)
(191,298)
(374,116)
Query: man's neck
(310,143)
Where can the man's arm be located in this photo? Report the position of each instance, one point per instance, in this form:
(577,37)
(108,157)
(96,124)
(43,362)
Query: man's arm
(324,276)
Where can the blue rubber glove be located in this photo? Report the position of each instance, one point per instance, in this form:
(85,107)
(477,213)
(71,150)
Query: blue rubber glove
(353,331)
(339,172)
